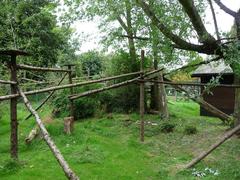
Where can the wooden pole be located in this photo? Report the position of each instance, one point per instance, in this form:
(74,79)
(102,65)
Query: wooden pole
(142,97)
(13,108)
(95,91)
(124,83)
(73,85)
(220,141)
(33,68)
(221,115)
(71,91)
(191,84)
(7,82)
(67,170)
(47,98)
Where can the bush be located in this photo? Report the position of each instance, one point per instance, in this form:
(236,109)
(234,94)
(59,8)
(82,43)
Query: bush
(84,107)
(167,127)
(190,130)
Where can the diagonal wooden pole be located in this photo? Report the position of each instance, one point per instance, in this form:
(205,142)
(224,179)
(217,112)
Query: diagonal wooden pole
(68,172)
(220,141)
(221,115)
(47,98)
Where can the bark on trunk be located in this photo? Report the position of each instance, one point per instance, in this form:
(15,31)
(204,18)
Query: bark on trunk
(68,172)
(163,99)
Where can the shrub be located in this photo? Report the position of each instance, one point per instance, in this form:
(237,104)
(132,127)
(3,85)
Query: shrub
(190,130)
(167,127)
(83,107)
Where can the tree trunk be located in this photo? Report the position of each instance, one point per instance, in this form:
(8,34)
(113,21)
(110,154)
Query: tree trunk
(163,99)
(130,33)
(236,113)
(158,94)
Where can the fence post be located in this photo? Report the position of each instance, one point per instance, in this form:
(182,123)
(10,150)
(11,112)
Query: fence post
(12,65)
(13,109)
(69,66)
(142,97)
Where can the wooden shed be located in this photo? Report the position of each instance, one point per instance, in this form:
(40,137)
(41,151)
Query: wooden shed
(220,97)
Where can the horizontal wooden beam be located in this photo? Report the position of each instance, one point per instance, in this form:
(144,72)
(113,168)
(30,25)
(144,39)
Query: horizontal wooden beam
(124,83)
(190,84)
(95,91)
(70,85)
(33,68)
(7,82)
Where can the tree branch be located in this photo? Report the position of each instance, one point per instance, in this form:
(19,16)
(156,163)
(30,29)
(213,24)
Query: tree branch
(124,26)
(225,8)
(180,43)
(215,20)
(136,37)
(190,9)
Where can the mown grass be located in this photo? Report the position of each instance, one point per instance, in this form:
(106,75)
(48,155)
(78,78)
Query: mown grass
(109,147)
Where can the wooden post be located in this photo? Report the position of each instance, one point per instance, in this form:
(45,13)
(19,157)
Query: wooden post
(142,97)
(12,65)
(68,125)
(71,90)
(13,109)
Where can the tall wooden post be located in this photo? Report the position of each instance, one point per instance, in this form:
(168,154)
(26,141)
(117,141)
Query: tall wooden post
(12,64)
(142,97)
(13,109)
(69,66)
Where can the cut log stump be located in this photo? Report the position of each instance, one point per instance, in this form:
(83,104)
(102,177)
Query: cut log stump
(68,125)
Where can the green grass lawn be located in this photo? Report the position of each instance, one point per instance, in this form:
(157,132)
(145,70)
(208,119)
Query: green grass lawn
(108,148)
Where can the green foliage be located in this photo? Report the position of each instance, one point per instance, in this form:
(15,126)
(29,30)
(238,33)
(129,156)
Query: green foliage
(124,99)
(231,55)
(31,26)
(91,63)
(167,127)
(83,107)
(189,130)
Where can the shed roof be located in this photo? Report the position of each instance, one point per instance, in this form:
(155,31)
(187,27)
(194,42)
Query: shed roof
(214,67)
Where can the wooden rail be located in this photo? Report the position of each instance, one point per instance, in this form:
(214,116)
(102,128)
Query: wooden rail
(69,86)
(33,68)
(124,83)
(190,84)
(7,82)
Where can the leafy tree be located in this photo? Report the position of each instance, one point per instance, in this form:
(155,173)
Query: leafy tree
(207,43)
(31,26)
(92,63)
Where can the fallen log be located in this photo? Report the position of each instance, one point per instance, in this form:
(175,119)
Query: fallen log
(221,115)
(70,85)
(68,172)
(47,98)
(221,140)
